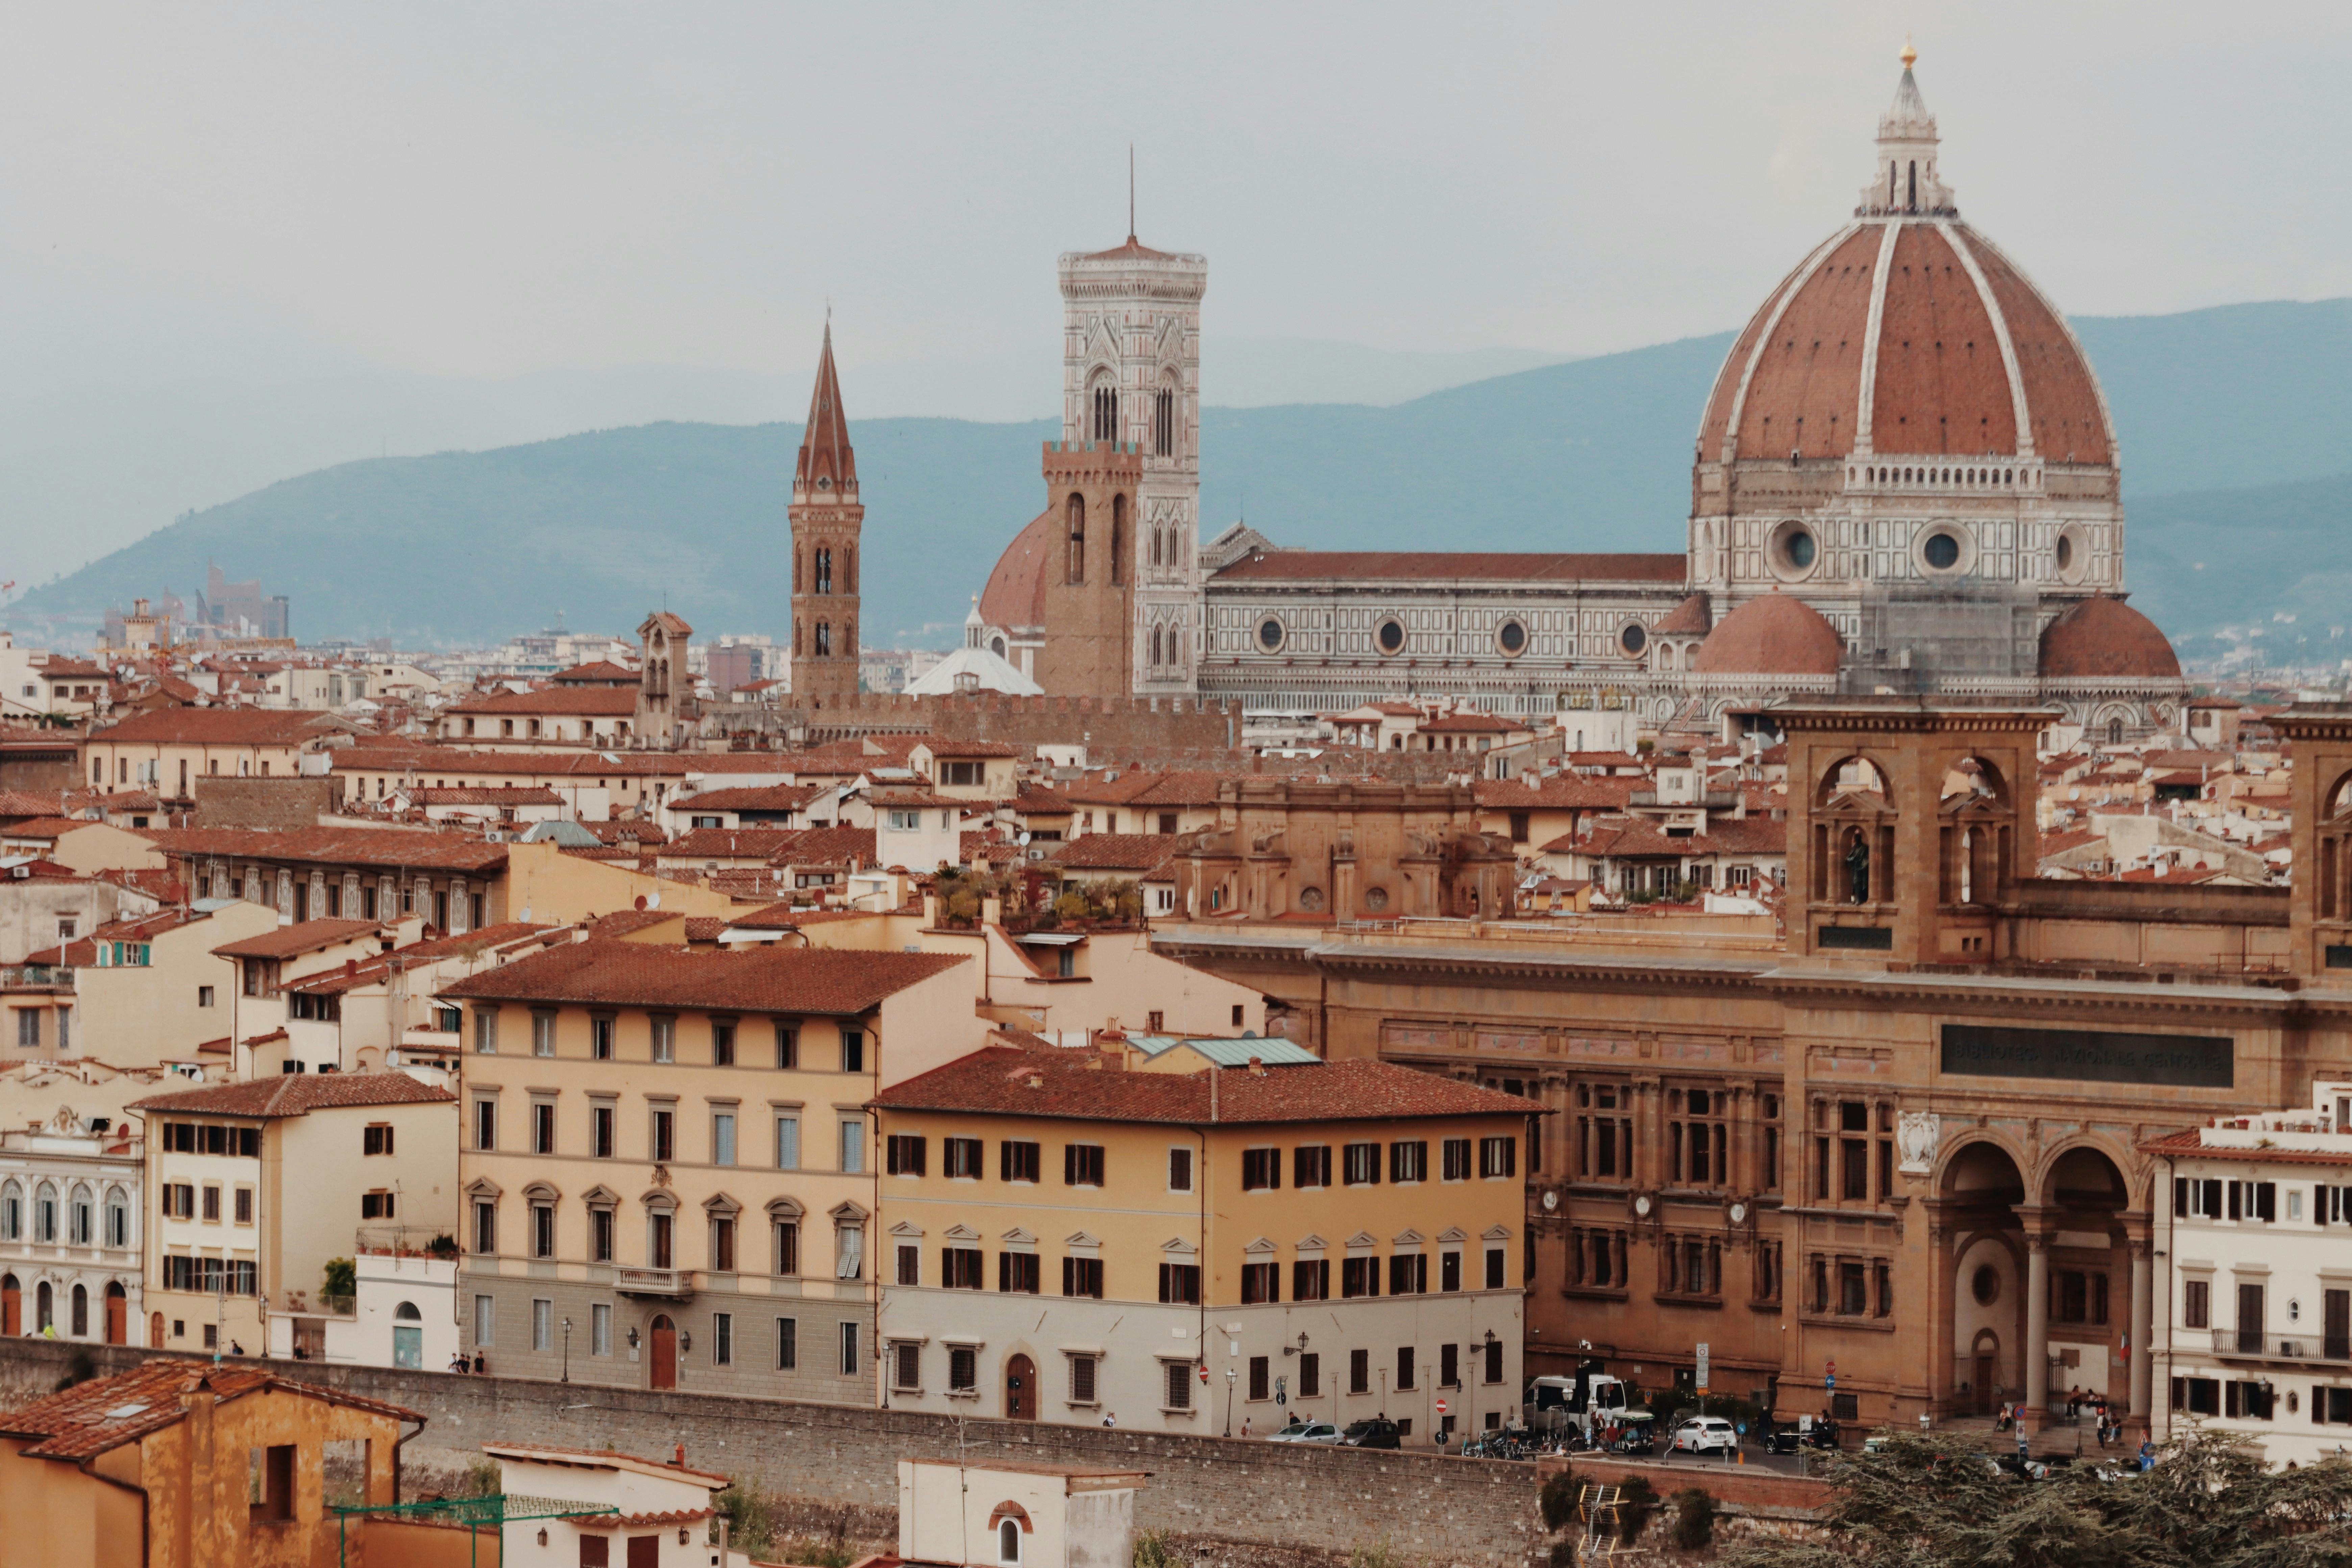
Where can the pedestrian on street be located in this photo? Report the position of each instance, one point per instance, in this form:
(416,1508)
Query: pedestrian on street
(1110,1418)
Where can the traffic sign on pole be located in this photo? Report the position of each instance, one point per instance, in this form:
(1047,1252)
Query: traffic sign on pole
(1440,1408)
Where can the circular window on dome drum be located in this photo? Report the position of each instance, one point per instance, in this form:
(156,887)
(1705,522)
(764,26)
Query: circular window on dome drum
(1511,636)
(1633,639)
(2071,555)
(1389,635)
(1792,551)
(1942,551)
(1270,635)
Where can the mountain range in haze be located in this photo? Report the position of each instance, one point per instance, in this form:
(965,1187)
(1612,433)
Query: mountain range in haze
(2235,425)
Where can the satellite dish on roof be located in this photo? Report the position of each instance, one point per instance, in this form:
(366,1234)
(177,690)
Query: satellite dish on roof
(1020,838)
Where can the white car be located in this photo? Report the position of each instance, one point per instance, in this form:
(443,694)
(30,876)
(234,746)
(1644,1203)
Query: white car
(1306,1432)
(1706,1435)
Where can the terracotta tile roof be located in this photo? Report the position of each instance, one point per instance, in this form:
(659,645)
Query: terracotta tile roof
(220,727)
(502,794)
(732,843)
(628,832)
(390,847)
(297,1094)
(704,927)
(45,827)
(828,846)
(1691,617)
(1469,720)
(1422,566)
(290,941)
(368,970)
(640,1520)
(603,1459)
(1014,594)
(597,672)
(1635,836)
(2185,1145)
(1139,852)
(957,750)
(1562,791)
(752,797)
(593,702)
(1005,1082)
(83,952)
(765,979)
(90,1418)
(1040,800)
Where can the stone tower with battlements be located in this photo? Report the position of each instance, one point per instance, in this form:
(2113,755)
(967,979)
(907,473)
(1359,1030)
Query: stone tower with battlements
(826,520)
(1131,378)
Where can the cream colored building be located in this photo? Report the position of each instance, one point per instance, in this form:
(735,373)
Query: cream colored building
(668,1177)
(168,748)
(1068,1241)
(143,991)
(251,1187)
(69,1225)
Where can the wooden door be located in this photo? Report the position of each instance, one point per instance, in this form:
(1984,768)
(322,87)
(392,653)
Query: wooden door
(154,1330)
(12,1307)
(1020,1389)
(118,1316)
(664,1364)
(644,1552)
(1984,1385)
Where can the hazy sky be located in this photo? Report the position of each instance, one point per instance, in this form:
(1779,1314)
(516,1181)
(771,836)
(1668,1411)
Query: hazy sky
(486,189)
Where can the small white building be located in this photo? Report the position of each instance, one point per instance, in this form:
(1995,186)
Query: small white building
(403,1314)
(662,1517)
(2255,1250)
(70,1231)
(1016,1516)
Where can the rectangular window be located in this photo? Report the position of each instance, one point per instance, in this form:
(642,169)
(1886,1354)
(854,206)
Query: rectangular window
(1082,1277)
(600,1131)
(486,1225)
(203,995)
(1018,1273)
(542,1324)
(1261,1170)
(1408,1274)
(1310,1279)
(1496,1268)
(1018,1162)
(1310,1165)
(722,1044)
(542,1230)
(1360,1371)
(486,1020)
(1449,1366)
(1853,1291)
(212,1205)
(1360,1276)
(1457,1159)
(853,1050)
(961,1159)
(1498,1157)
(2249,1319)
(485,1320)
(963,1269)
(542,1128)
(1260,1283)
(722,1137)
(600,1329)
(1177,1378)
(1082,1380)
(1082,1165)
(1409,1162)
(485,1123)
(600,1038)
(1260,1378)
(665,1029)
(788,1344)
(1361,1164)
(1854,1169)
(1404,1367)
(722,1335)
(600,1235)
(787,1142)
(542,1034)
(665,1136)
(1180,1284)
(788,1047)
(722,1245)
(1449,1271)
(1311,1375)
(904,1153)
(1179,1170)
(2197,1304)
(786,1247)
(376,1140)
(853,1145)
(849,1350)
(1494,1371)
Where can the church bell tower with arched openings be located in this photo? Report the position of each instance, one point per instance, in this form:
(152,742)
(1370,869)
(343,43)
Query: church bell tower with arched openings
(1131,380)
(826,520)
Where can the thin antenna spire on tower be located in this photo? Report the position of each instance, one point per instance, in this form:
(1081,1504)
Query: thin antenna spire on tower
(1130,193)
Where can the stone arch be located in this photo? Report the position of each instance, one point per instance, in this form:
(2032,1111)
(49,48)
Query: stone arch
(1834,779)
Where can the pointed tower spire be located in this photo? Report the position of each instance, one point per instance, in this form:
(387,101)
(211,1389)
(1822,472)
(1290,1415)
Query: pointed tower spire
(828,466)
(826,520)
(1904,181)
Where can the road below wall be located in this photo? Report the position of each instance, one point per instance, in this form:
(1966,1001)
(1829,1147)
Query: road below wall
(1444,1510)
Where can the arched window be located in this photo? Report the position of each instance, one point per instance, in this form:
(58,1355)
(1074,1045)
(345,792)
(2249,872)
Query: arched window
(80,1318)
(1890,182)
(118,1219)
(1106,411)
(1163,422)
(2114,731)
(850,569)
(1118,538)
(1155,646)
(824,640)
(81,1218)
(11,1212)
(824,571)
(1911,196)
(1008,1542)
(45,1214)
(1076,514)
(800,561)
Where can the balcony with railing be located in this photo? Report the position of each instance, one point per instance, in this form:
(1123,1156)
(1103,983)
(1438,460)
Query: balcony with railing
(2254,1344)
(674,1284)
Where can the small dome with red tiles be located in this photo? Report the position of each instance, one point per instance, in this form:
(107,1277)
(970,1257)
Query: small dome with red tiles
(1772,634)
(2105,639)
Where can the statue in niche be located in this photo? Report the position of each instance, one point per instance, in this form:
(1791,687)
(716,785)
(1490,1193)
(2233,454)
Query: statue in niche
(1857,868)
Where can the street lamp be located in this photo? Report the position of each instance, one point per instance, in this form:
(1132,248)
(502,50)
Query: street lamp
(1232,1377)
(567,1351)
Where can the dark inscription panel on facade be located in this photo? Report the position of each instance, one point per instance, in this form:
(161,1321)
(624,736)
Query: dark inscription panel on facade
(2090,1056)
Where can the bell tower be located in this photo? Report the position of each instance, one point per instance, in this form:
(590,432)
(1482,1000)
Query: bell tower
(826,518)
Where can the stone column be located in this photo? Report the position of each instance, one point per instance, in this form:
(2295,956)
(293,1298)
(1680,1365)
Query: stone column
(2141,1368)
(2037,1326)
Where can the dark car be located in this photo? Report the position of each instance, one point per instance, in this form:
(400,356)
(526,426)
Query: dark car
(1372,1433)
(1782,1440)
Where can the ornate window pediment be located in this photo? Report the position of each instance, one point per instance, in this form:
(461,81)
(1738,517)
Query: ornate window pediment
(1260,1246)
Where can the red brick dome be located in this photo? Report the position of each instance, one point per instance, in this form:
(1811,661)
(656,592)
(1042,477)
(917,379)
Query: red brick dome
(2107,639)
(1772,634)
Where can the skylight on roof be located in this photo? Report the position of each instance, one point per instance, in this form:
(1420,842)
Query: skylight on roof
(123,1412)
